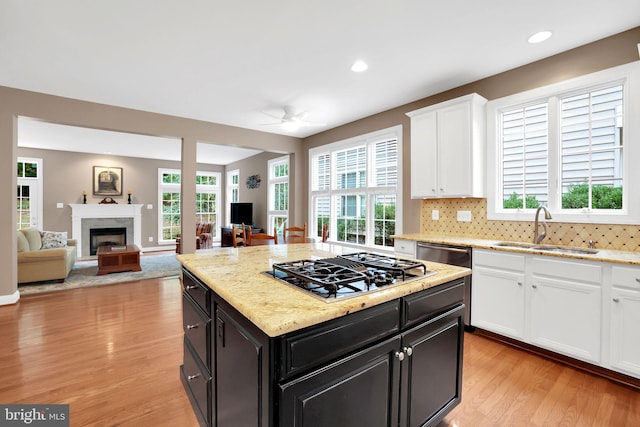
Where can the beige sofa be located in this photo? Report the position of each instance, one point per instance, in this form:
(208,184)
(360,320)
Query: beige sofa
(44,255)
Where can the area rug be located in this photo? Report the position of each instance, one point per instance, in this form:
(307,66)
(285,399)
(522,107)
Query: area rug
(83,274)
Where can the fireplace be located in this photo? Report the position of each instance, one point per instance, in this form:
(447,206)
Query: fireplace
(85,217)
(112,236)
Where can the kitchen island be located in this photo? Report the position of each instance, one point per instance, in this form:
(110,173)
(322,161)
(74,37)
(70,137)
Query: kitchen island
(261,352)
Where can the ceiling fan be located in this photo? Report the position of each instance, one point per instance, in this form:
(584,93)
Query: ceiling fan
(292,121)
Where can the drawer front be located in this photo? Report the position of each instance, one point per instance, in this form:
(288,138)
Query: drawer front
(405,247)
(197,290)
(626,277)
(583,272)
(197,328)
(317,345)
(197,382)
(501,260)
(431,302)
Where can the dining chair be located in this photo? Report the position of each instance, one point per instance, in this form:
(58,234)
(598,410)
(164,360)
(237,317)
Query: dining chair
(262,238)
(302,230)
(325,232)
(238,236)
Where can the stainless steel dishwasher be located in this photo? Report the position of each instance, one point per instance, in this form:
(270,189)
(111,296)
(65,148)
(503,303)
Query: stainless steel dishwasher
(452,255)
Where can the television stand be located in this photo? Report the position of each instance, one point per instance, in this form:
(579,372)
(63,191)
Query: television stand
(225,235)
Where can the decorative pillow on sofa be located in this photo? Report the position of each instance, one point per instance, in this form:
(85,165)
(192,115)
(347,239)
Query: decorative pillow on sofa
(54,239)
(34,237)
(23,244)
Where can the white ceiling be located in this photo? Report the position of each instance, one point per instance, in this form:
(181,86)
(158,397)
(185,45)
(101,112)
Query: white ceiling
(237,62)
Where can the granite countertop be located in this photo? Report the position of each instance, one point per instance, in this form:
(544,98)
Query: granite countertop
(603,255)
(236,275)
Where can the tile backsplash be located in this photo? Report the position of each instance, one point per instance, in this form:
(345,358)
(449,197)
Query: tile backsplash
(606,236)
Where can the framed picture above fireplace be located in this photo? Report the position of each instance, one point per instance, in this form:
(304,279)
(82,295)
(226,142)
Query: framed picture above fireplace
(107,181)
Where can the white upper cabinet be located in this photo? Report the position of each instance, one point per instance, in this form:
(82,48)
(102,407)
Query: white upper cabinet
(447,149)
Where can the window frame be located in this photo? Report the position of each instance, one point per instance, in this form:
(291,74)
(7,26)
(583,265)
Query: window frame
(200,188)
(233,188)
(331,191)
(37,183)
(272,213)
(629,76)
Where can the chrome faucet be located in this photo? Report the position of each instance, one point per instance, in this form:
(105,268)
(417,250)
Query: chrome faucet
(538,237)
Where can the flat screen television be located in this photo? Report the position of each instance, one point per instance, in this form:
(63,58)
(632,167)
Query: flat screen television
(242,213)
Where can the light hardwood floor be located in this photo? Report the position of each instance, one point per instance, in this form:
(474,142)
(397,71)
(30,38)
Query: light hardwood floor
(113,354)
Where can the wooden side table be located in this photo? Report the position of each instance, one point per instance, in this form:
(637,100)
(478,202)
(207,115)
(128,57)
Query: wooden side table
(111,259)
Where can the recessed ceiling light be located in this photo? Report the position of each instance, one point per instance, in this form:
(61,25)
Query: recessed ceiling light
(359,66)
(539,37)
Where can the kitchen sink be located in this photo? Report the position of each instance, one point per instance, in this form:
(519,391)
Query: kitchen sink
(564,250)
(548,248)
(515,245)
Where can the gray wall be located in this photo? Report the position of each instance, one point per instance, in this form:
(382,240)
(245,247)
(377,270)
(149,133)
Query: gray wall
(66,184)
(256,165)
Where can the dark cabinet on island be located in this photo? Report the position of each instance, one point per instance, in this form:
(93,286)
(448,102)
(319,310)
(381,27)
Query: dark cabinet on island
(398,363)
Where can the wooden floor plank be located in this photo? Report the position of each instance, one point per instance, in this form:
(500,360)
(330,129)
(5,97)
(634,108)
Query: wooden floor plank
(506,386)
(113,354)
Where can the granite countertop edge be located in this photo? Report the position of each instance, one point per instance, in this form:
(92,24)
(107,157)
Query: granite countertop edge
(236,275)
(603,255)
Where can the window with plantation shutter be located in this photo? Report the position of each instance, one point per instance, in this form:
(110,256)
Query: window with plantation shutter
(570,146)
(525,139)
(351,166)
(386,163)
(591,144)
(355,189)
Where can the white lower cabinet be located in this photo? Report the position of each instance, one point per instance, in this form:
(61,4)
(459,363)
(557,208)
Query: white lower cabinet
(498,293)
(583,309)
(625,319)
(564,305)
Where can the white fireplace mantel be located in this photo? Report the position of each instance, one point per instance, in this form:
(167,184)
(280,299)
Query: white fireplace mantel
(82,211)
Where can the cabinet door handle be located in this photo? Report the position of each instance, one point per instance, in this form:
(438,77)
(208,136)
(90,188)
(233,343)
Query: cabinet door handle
(408,350)
(192,326)
(638,279)
(519,283)
(192,377)
(534,286)
(221,332)
(616,300)
(191,287)
(400,355)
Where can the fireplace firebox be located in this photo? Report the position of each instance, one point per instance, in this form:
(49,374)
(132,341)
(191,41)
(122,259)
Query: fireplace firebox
(113,236)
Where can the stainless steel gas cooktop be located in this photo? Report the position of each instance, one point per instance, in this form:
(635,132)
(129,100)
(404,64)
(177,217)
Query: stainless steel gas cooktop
(348,275)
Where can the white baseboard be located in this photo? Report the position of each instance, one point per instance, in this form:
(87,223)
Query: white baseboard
(10,299)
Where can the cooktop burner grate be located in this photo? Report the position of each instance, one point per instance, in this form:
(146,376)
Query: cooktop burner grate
(385,262)
(320,272)
(347,275)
